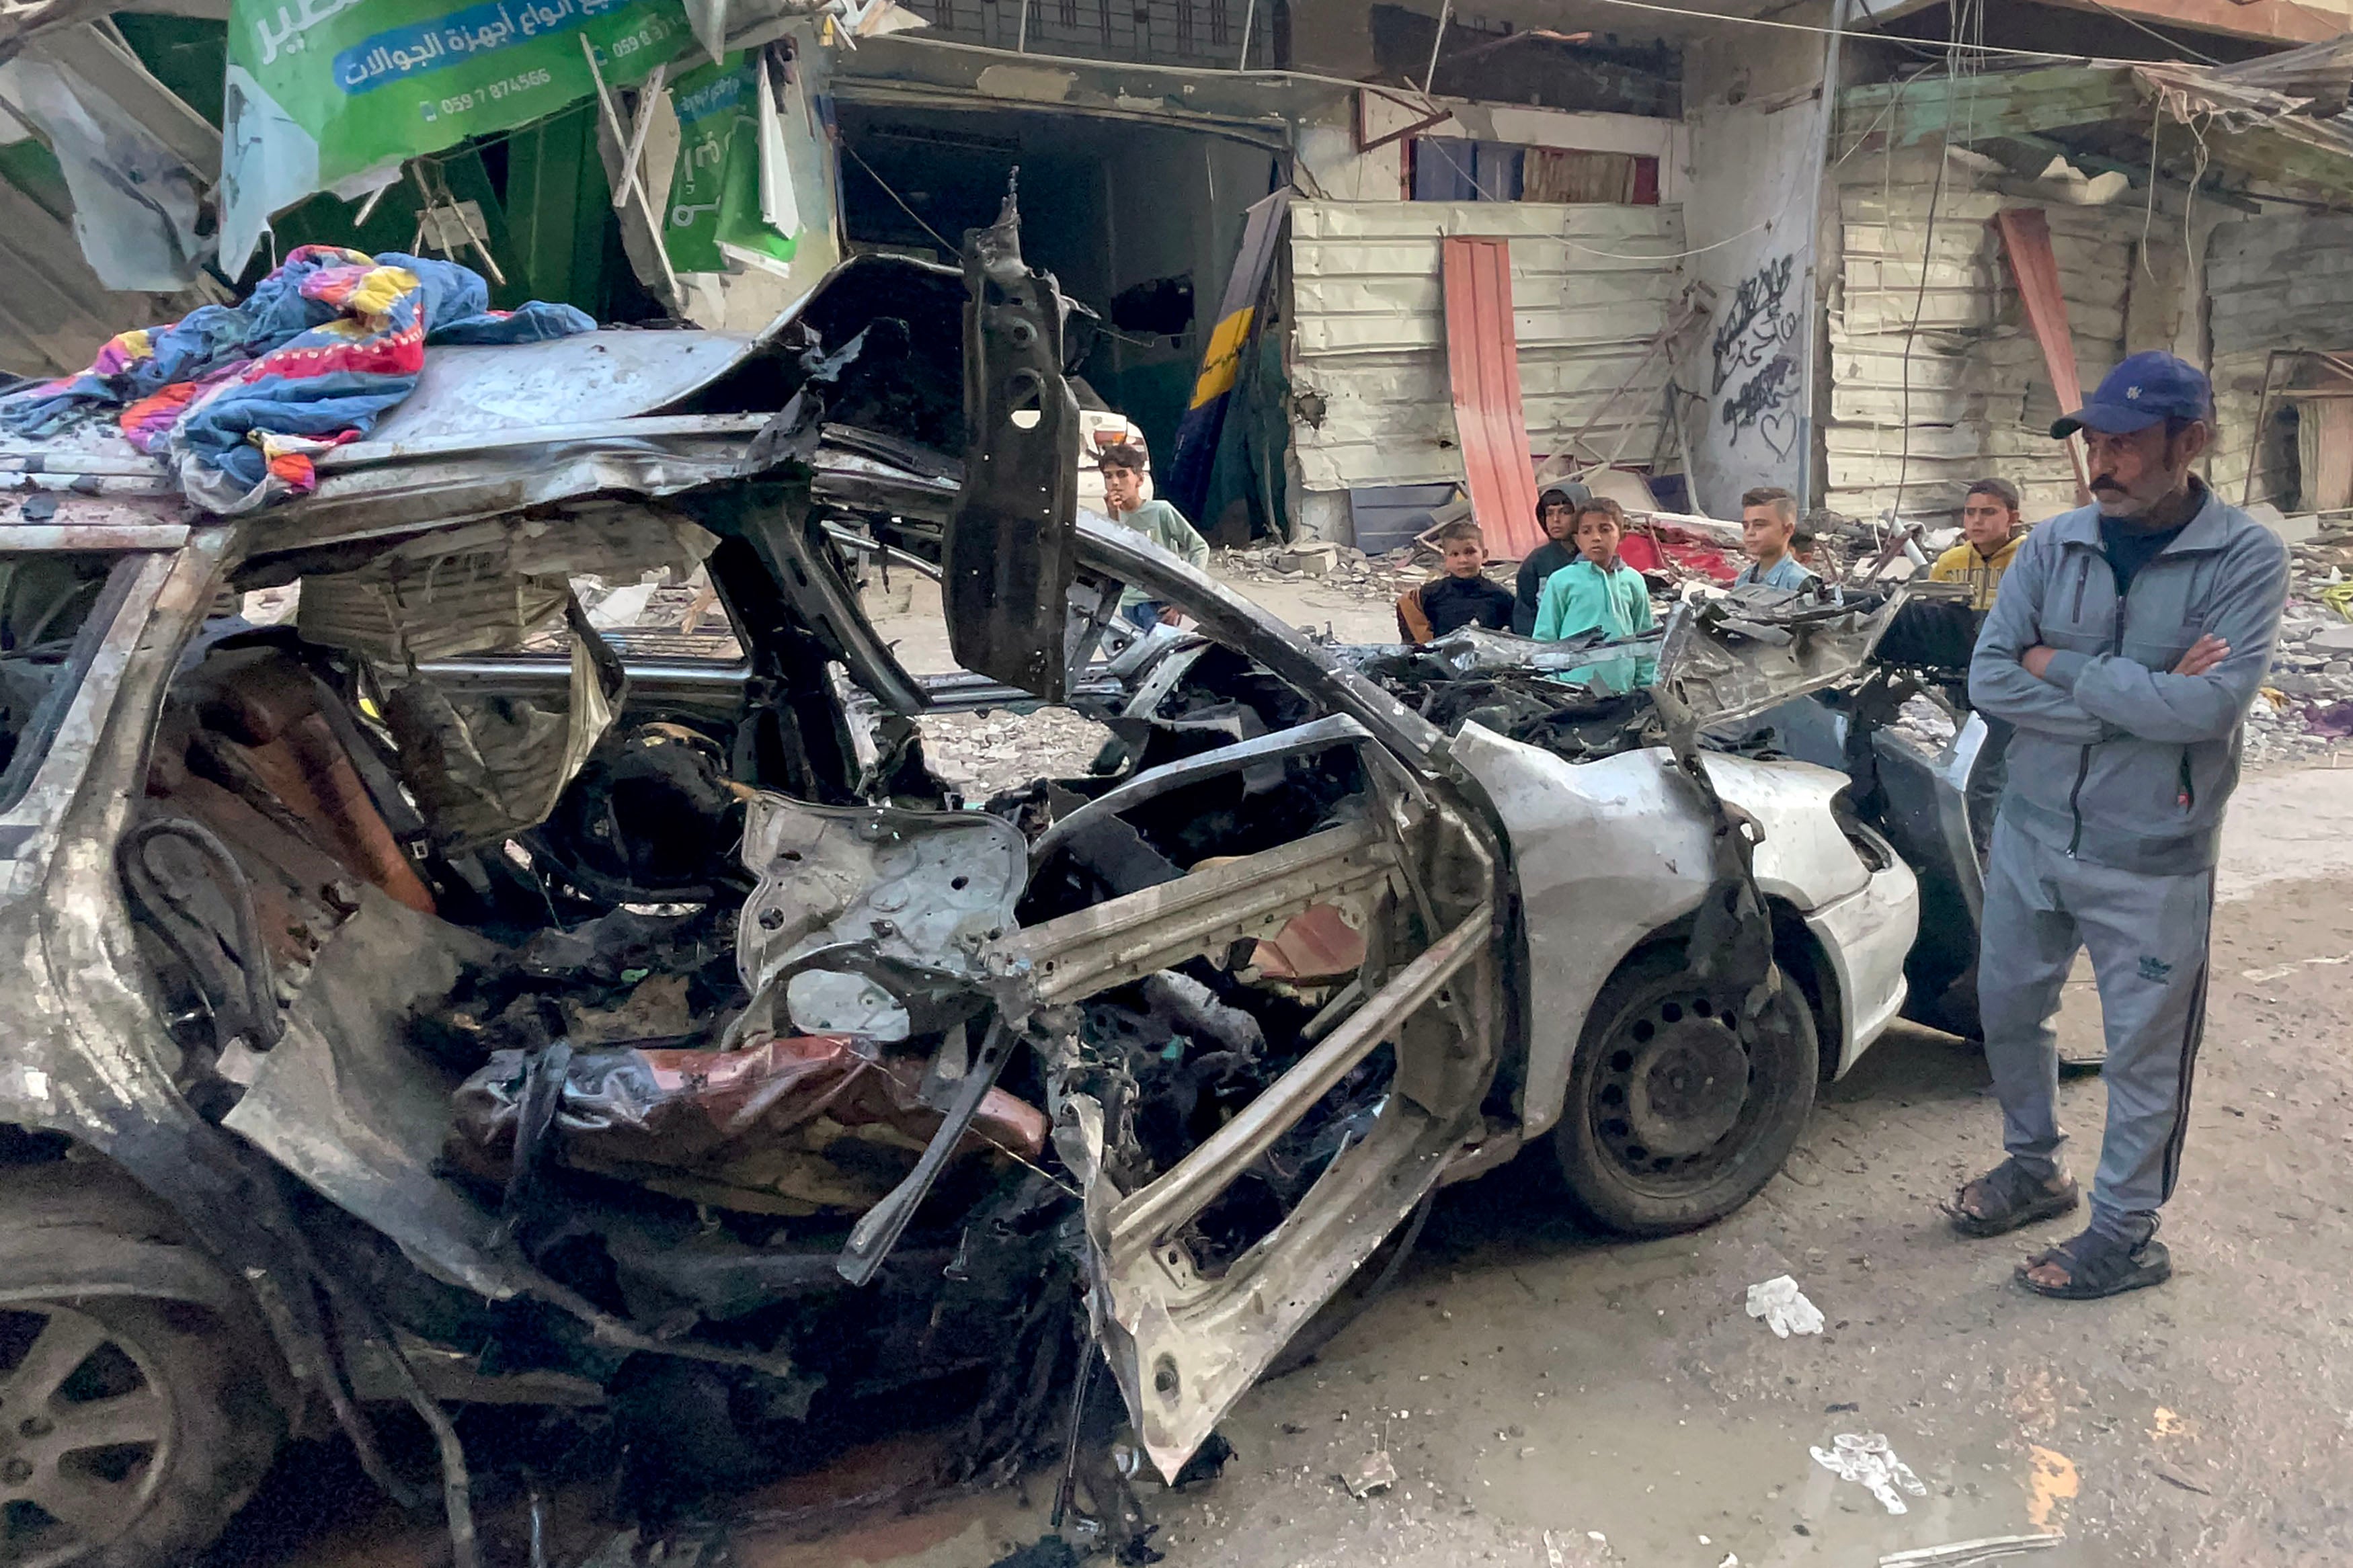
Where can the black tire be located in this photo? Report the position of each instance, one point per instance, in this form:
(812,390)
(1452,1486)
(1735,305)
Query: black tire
(1645,1147)
(205,1430)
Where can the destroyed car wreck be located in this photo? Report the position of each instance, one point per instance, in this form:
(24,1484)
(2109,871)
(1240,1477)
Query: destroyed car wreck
(1819,675)
(420,1002)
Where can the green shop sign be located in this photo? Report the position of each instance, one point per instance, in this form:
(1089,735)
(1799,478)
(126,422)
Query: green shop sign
(329,93)
(714,192)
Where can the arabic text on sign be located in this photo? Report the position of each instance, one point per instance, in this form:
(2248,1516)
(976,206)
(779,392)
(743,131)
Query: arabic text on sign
(462,36)
(293,22)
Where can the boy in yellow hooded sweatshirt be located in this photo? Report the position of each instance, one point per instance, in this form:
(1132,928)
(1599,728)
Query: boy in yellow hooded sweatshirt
(1990,539)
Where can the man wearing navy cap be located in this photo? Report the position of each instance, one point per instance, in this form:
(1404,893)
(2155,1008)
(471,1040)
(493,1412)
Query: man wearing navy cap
(2125,644)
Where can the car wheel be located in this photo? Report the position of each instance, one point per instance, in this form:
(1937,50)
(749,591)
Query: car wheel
(130,1431)
(1675,1116)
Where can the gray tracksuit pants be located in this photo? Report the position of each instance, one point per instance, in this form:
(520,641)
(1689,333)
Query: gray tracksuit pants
(2148,937)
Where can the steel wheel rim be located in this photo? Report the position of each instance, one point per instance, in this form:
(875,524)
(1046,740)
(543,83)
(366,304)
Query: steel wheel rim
(1664,1127)
(86,1434)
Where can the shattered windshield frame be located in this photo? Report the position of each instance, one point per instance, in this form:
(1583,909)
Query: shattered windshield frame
(30,745)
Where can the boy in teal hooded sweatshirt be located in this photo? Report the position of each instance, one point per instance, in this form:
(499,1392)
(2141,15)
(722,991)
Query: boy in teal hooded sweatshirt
(1597,592)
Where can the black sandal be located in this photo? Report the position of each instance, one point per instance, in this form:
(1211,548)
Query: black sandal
(2099,1266)
(2017,1196)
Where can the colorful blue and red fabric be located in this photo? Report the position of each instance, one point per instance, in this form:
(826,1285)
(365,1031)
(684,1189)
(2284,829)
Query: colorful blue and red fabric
(238,397)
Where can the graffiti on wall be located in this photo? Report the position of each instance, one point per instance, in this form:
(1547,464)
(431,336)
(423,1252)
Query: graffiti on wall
(1752,349)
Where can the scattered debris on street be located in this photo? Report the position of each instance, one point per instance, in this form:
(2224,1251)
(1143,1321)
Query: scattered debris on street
(1866,1460)
(1784,1307)
(1986,1549)
(1376,1473)
(985,754)
(2306,709)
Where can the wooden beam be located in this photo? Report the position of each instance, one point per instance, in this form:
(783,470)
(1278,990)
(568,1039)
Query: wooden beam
(2026,241)
(53,300)
(1975,107)
(2275,154)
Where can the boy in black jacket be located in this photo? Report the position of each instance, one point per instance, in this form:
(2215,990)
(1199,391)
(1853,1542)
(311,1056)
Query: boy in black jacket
(1464,595)
(1557,514)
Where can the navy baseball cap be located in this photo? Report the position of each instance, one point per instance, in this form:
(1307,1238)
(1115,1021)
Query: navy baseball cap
(2143,391)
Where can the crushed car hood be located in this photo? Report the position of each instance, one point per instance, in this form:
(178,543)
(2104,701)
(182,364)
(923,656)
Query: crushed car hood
(472,392)
(1728,659)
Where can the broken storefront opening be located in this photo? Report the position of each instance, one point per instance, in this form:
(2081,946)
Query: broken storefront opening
(1139,221)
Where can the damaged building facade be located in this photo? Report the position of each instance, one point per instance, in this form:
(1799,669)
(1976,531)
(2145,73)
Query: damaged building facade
(1718,275)
(434,1005)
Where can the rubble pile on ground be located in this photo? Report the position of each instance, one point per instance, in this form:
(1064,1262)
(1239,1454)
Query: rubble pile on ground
(1376,578)
(1925,723)
(1373,579)
(982,754)
(2306,709)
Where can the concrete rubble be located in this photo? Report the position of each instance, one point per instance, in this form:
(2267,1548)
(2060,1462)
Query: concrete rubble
(2301,715)
(985,753)
(1339,566)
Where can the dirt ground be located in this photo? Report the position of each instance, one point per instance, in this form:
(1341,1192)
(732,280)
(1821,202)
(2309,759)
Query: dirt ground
(1553,1399)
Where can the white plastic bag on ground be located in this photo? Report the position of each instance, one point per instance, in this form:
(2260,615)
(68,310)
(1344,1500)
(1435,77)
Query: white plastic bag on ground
(1868,1460)
(1784,1307)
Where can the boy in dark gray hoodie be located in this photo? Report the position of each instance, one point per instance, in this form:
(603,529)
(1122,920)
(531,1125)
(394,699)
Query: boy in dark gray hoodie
(2125,644)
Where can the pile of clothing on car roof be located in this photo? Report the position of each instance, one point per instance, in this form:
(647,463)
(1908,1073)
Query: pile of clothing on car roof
(238,399)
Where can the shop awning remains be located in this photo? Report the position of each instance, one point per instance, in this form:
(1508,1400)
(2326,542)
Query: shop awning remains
(2277,125)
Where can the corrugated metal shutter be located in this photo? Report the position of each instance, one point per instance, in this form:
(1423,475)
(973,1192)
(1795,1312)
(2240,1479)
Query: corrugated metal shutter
(1148,32)
(1980,401)
(2283,282)
(1368,328)
(1386,516)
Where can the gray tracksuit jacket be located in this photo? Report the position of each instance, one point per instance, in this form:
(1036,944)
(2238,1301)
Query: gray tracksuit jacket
(2116,760)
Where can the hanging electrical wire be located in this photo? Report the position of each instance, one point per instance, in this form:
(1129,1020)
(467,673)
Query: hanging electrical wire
(1912,333)
(927,228)
(1959,20)
(1719,19)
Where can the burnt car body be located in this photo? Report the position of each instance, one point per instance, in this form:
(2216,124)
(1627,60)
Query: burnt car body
(401,1015)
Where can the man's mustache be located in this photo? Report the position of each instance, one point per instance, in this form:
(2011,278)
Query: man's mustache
(2106,482)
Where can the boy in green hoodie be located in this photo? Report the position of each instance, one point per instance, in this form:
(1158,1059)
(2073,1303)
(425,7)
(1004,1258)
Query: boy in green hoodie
(1597,592)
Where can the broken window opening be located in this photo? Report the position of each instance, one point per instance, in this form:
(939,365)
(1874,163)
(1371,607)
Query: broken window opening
(54,609)
(1453,169)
